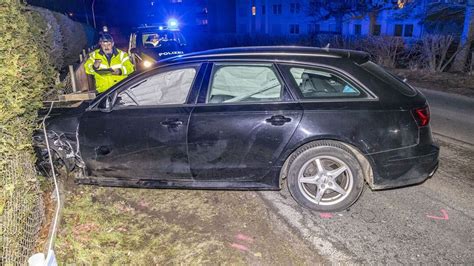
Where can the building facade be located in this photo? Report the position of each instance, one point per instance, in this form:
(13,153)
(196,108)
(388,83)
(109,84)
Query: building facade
(402,18)
(272,17)
(193,15)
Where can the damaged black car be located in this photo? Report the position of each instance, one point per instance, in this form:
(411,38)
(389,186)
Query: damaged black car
(324,121)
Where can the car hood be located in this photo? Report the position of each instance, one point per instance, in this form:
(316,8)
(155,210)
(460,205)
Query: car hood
(63,119)
(164,51)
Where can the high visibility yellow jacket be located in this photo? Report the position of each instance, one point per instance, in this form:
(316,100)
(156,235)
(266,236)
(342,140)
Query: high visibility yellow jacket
(104,79)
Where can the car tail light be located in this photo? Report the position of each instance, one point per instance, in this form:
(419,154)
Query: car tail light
(422,116)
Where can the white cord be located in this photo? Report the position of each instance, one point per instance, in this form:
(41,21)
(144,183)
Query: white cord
(56,216)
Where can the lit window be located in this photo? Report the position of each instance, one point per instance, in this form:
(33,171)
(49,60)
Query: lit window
(401,3)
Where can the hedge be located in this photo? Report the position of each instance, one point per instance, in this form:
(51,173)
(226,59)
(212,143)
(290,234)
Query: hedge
(65,38)
(26,73)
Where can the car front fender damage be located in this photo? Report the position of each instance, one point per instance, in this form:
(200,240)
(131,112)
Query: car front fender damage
(65,151)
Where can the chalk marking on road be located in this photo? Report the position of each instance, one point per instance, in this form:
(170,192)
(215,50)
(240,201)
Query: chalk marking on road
(445,216)
(239,247)
(325,215)
(244,238)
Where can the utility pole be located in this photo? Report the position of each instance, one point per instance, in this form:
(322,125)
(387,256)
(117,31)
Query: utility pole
(93,14)
(85,12)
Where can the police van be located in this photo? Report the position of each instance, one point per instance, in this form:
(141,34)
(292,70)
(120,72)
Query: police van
(152,43)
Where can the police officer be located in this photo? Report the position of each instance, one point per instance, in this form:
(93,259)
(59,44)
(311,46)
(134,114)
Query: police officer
(108,64)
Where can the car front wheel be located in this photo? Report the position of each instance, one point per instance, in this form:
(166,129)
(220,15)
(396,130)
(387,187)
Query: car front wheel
(325,176)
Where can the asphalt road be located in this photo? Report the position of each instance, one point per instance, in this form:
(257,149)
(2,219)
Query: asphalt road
(451,115)
(428,223)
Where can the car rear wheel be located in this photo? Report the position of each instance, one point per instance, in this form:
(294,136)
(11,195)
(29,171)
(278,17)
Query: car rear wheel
(325,176)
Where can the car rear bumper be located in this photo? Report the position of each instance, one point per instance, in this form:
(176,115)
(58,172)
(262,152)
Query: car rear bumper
(404,167)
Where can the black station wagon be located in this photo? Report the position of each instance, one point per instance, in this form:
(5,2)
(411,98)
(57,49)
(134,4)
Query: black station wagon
(328,121)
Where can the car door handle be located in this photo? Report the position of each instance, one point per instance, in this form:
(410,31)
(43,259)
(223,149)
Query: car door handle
(171,123)
(278,120)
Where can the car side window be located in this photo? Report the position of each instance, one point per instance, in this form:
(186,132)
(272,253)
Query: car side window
(170,87)
(244,83)
(314,84)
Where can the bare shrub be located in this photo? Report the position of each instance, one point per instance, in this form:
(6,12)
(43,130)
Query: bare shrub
(385,50)
(333,40)
(439,51)
(353,43)
(412,56)
(436,52)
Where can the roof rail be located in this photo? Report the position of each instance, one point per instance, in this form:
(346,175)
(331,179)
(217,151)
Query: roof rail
(279,51)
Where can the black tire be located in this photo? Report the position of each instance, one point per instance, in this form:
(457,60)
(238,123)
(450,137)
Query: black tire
(314,169)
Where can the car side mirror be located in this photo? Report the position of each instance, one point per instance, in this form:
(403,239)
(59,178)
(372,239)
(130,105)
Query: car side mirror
(106,104)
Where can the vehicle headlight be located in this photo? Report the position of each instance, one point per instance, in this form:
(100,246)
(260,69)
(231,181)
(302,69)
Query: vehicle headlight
(147,63)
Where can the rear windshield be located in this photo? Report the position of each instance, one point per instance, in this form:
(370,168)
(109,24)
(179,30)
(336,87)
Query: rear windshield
(389,79)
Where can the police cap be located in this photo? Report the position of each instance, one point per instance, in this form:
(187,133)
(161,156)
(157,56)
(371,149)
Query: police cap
(105,37)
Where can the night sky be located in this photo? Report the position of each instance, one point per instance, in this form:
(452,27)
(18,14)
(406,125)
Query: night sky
(115,13)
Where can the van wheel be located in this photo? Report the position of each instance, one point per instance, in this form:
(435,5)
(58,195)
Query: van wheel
(325,176)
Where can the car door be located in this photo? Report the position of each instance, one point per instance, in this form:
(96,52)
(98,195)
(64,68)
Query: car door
(242,121)
(144,135)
